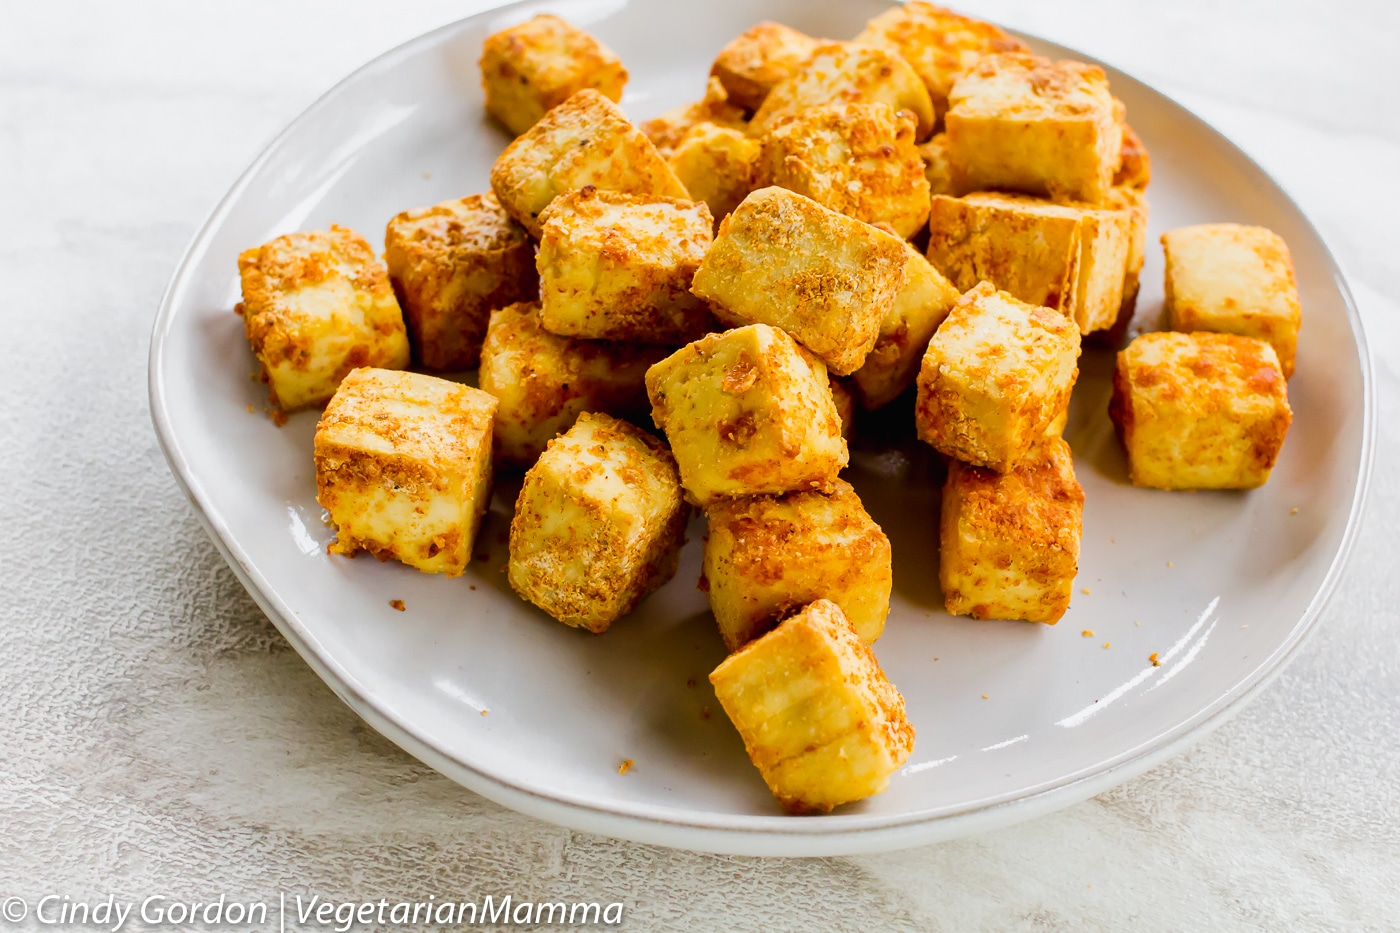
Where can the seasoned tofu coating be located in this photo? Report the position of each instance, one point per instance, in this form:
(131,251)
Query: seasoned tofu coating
(668,130)
(783,259)
(995,375)
(717,165)
(315,306)
(618,267)
(751,65)
(940,45)
(1071,257)
(818,717)
(451,265)
(937,169)
(918,309)
(529,69)
(767,556)
(858,159)
(1200,410)
(1009,542)
(747,412)
(599,523)
(403,466)
(1134,163)
(1024,123)
(587,140)
(1232,279)
(843,72)
(543,381)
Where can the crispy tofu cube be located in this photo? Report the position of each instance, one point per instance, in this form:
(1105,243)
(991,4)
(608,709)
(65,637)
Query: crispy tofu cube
(1009,542)
(587,140)
(403,466)
(940,45)
(599,523)
(1200,411)
(1025,123)
(747,412)
(936,167)
(767,556)
(451,265)
(1231,279)
(532,68)
(717,165)
(918,309)
(858,159)
(845,400)
(818,717)
(995,375)
(1133,202)
(841,72)
(751,65)
(1134,163)
(544,381)
(783,259)
(617,267)
(315,306)
(668,130)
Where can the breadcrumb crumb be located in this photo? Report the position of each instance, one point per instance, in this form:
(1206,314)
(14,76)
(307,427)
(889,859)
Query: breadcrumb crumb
(1106,644)
(1170,564)
(1293,511)
(249,406)
(1088,633)
(625,766)
(984,696)
(485,711)
(1086,591)
(1153,658)
(397,604)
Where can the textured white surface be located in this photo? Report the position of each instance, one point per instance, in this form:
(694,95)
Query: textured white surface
(156,735)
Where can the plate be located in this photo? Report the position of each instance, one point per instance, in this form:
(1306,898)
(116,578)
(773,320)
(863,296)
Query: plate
(1013,719)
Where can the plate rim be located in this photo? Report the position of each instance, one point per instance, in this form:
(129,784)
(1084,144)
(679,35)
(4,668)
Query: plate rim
(737,833)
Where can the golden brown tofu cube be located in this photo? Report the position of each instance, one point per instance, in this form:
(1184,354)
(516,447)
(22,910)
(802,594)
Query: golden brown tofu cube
(668,130)
(1231,279)
(451,265)
(717,165)
(1134,163)
(1200,411)
(783,259)
(843,72)
(747,412)
(1133,202)
(617,267)
(1025,123)
(767,556)
(315,306)
(543,381)
(936,167)
(995,375)
(599,523)
(918,309)
(403,466)
(818,717)
(529,69)
(940,45)
(1009,542)
(858,159)
(751,65)
(587,140)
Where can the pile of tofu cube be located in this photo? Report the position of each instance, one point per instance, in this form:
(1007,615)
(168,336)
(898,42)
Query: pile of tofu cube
(927,210)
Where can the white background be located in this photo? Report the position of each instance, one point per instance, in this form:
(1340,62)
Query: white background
(158,736)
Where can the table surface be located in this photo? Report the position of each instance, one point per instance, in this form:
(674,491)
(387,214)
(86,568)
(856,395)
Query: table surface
(157,735)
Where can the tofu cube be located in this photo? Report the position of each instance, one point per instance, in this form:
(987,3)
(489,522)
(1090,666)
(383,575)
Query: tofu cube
(1200,410)
(451,265)
(918,310)
(767,556)
(599,523)
(532,68)
(783,259)
(751,65)
(543,381)
(940,45)
(843,72)
(717,165)
(1231,279)
(1133,202)
(315,306)
(858,159)
(845,400)
(1009,542)
(668,130)
(996,374)
(747,412)
(617,267)
(403,466)
(1025,123)
(817,715)
(587,140)
(1134,162)
(937,169)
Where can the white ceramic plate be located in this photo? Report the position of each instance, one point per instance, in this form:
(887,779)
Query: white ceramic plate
(1013,719)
